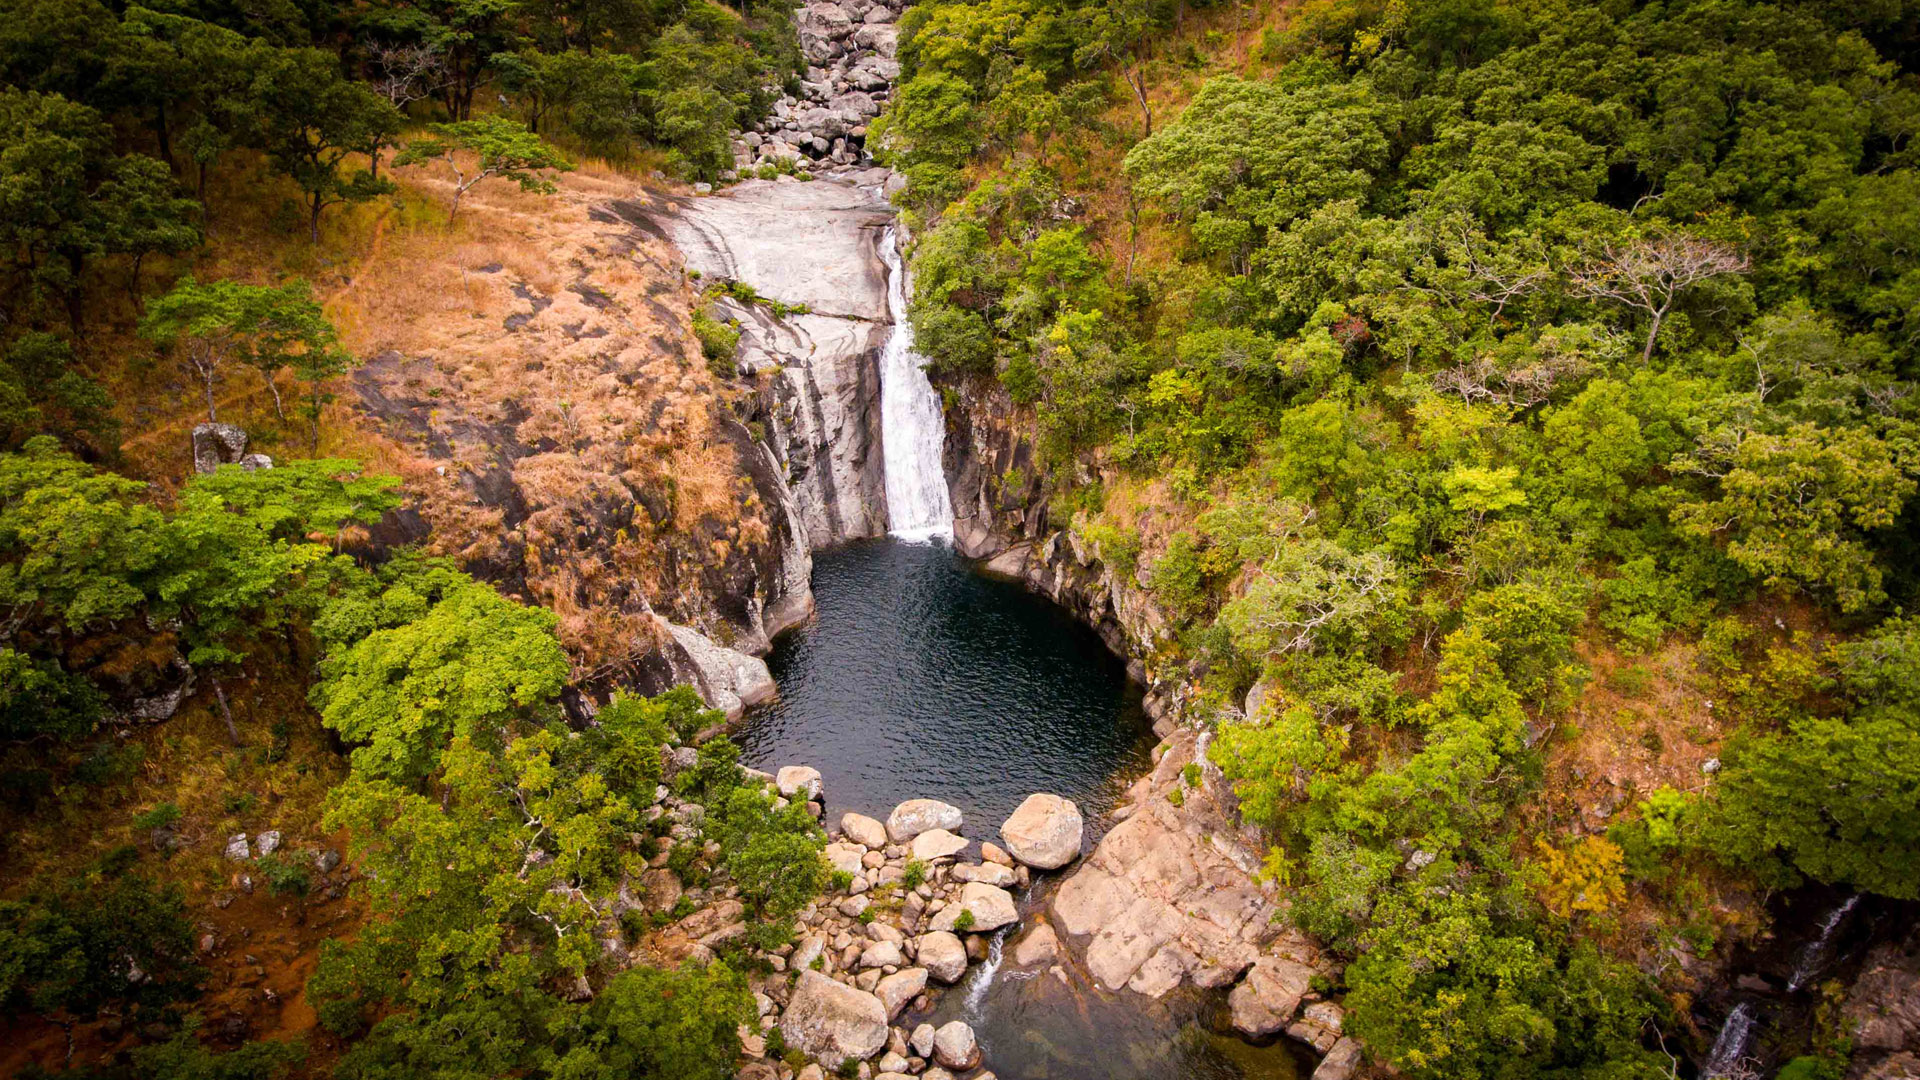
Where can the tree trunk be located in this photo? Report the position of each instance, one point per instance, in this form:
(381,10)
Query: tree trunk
(1137,81)
(317,205)
(1653,332)
(226,713)
(273,387)
(207,373)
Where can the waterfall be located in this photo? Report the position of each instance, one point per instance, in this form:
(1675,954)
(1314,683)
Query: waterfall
(1731,1044)
(982,977)
(1815,953)
(912,422)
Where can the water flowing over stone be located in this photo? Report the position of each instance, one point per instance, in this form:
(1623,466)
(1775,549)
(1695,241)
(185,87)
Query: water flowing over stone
(1817,951)
(1731,1044)
(912,422)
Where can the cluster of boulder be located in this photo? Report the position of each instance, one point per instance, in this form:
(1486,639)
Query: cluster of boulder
(849,46)
(905,915)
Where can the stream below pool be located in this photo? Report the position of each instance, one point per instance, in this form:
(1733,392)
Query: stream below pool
(921,677)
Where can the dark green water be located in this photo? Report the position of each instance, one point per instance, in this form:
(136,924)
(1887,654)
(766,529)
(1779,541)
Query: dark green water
(920,678)
(923,678)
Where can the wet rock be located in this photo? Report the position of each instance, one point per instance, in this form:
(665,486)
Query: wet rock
(944,957)
(1045,832)
(864,831)
(1037,946)
(916,816)
(833,1022)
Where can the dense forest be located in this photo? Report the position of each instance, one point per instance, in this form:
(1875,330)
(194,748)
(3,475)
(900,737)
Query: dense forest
(1453,372)
(1457,379)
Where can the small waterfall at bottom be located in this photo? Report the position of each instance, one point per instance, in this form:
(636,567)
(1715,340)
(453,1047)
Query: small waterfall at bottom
(1730,1046)
(1815,954)
(982,976)
(912,422)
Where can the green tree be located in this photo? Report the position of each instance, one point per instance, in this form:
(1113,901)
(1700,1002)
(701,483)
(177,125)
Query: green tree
(502,148)
(311,120)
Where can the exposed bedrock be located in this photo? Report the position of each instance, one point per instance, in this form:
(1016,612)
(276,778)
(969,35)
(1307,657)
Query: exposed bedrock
(811,245)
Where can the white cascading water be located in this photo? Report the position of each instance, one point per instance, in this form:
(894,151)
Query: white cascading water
(912,422)
(1731,1044)
(1815,953)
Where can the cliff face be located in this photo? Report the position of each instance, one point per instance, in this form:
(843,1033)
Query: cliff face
(541,394)
(811,245)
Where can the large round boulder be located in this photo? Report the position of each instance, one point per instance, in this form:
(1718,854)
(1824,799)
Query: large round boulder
(1044,832)
(943,956)
(991,907)
(863,830)
(833,1022)
(937,844)
(955,1047)
(915,816)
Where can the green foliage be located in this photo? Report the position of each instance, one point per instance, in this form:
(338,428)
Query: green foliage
(501,148)
(719,343)
(116,939)
(773,856)
(426,654)
(650,1022)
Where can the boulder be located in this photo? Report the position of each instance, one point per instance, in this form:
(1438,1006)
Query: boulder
(215,445)
(1037,946)
(898,990)
(1340,1062)
(797,781)
(833,1022)
(882,954)
(992,908)
(728,679)
(846,858)
(922,1040)
(915,816)
(944,957)
(267,842)
(955,1047)
(660,888)
(987,873)
(994,853)
(806,952)
(937,844)
(863,830)
(1267,998)
(237,848)
(1045,832)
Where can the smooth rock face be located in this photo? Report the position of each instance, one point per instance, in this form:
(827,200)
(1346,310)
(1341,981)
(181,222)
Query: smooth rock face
(811,244)
(729,680)
(798,781)
(863,830)
(832,1022)
(944,957)
(1044,832)
(937,844)
(915,816)
(992,909)
(1266,1000)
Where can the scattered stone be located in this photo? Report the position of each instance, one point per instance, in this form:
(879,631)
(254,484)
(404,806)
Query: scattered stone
(937,844)
(833,1022)
(864,831)
(324,861)
(847,858)
(215,445)
(915,816)
(922,1040)
(882,954)
(944,957)
(955,1046)
(796,780)
(994,853)
(237,848)
(1045,832)
(267,842)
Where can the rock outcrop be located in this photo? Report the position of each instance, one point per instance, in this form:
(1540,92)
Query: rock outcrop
(1883,1013)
